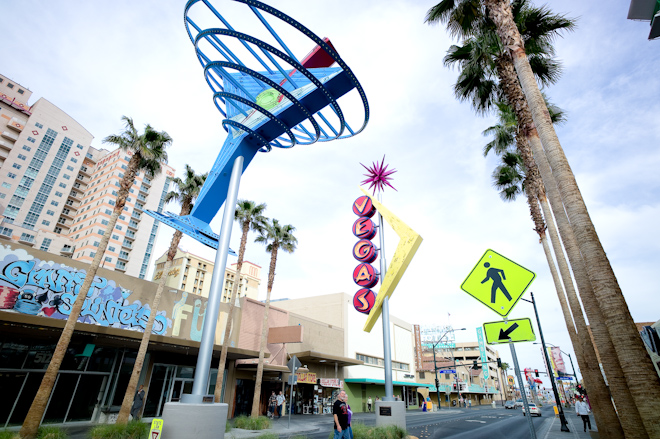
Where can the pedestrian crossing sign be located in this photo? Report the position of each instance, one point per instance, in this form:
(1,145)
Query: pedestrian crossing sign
(498,282)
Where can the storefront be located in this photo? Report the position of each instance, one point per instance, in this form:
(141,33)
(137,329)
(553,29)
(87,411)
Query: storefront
(359,390)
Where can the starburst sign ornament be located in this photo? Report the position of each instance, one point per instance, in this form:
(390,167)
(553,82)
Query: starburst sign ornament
(378,176)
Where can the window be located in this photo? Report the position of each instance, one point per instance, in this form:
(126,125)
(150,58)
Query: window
(115,237)
(111,202)
(118,227)
(21,91)
(92,254)
(79,146)
(6,185)
(58,230)
(74,160)
(54,203)
(69,168)
(63,186)
(105,222)
(108,212)
(50,212)
(112,249)
(27,237)
(38,125)
(45,223)
(123,218)
(16,165)
(27,148)
(22,157)
(10,85)
(11,175)
(2,195)
(66,176)
(31,139)
(108,259)
(45,244)
(422,375)
(59,194)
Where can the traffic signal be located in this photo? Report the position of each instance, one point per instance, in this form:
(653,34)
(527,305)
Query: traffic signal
(536,371)
(499,363)
(437,383)
(454,386)
(475,365)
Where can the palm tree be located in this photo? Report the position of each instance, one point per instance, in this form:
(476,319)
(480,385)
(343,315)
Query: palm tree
(148,155)
(184,192)
(509,82)
(250,216)
(276,237)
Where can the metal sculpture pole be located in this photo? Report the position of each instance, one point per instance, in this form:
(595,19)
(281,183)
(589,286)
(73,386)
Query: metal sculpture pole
(279,106)
(200,383)
(387,344)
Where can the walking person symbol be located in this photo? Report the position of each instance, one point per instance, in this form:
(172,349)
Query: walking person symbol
(494,275)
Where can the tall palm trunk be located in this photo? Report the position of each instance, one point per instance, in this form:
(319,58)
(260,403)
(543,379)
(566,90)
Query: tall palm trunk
(256,400)
(230,315)
(604,412)
(628,414)
(36,412)
(640,374)
(126,404)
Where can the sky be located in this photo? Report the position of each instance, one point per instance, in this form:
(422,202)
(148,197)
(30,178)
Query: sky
(100,60)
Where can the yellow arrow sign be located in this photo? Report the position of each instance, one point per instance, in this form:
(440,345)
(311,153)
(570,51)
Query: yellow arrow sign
(405,250)
(511,331)
(497,282)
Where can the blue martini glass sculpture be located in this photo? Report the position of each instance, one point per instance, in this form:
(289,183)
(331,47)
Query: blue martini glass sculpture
(269,98)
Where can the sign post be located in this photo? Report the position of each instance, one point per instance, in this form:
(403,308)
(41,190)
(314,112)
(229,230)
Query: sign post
(521,384)
(293,365)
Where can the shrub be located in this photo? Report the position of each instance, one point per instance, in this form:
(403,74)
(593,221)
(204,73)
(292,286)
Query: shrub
(51,432)
(132,430)
(361,431)
(9,435)
(250,423)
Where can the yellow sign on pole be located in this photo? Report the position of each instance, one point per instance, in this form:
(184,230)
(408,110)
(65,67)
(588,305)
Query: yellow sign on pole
(497,282)
(408,244)
(156,429)
(511,331)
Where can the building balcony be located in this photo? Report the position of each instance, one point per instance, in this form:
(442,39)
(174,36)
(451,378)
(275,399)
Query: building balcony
(75,195)
(6,145)
(120,267)
(133,225)
(123,256)
(6,233)
(15,124)
(144,189)
(67,250)
(81,178)
(127,244)
(66,213)
(27,241)
(10,135)
(85,171)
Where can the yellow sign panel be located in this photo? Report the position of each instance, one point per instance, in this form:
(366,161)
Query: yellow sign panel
(510,380)
(511,331)
(497,282)
(306,378)
(156,429)
(405,250)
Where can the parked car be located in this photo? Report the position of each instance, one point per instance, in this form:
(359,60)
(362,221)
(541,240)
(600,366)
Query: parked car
(519,403)
(509,405)
(533,410)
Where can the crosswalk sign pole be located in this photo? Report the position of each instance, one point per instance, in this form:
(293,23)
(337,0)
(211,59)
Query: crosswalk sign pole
(521,384)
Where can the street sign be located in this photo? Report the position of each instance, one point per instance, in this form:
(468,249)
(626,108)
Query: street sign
(564,378)
(447,371)
(293,380)
(156,429)
(497,282)
(511,331)
(293,364)
(482,350)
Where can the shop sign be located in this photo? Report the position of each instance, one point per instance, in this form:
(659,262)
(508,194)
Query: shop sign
(330,382)
(306,378)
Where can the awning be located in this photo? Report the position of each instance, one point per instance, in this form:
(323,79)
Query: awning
(308,357)
(396,383)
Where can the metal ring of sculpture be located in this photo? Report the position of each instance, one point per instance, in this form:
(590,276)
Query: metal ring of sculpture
(215,37)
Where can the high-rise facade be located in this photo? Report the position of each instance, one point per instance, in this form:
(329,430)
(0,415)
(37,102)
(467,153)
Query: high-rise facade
(57,192)
(192,273)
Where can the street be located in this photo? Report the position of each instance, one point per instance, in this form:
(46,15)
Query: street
(475,423)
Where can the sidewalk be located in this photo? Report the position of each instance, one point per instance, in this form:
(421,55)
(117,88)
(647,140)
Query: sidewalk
(574,425)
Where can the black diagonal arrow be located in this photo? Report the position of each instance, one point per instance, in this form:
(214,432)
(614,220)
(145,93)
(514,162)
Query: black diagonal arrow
(504,335)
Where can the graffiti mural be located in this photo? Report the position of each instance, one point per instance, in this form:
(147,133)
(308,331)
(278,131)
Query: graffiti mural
(46,288)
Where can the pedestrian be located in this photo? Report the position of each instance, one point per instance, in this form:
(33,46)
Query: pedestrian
(280,401)
(582,410)
(470,403)
(340,416)
(369,404)
(349,430)
(138,401)
(272,405)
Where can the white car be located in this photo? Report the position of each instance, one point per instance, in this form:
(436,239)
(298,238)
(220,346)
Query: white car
(533,410)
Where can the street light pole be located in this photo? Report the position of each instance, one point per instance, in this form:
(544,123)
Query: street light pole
(435,366)
(562,417)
